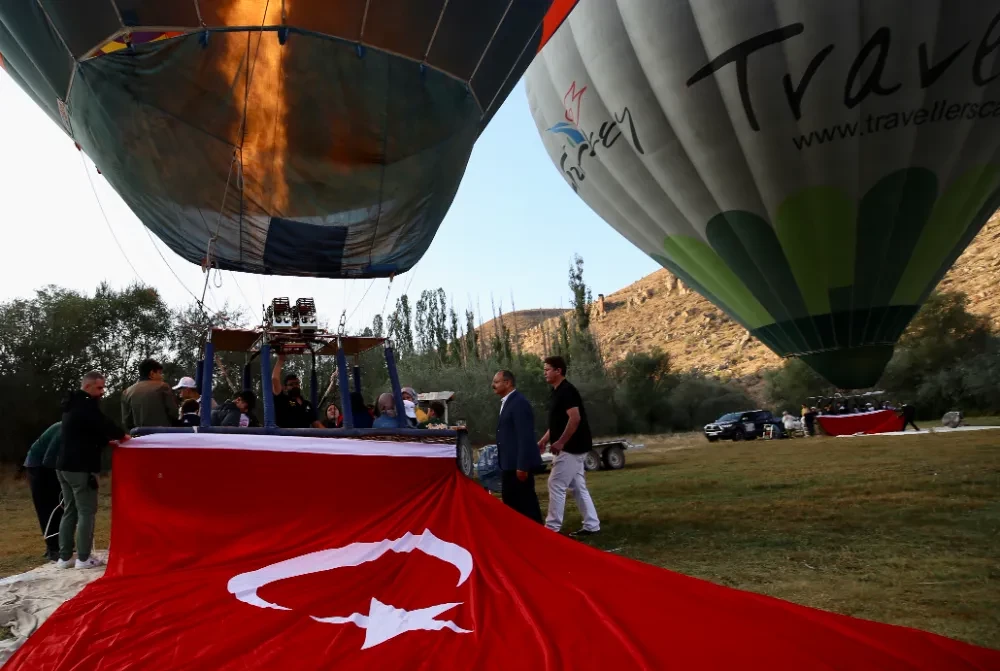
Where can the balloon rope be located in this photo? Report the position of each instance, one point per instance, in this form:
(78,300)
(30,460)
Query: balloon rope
(106,221)
(363,298)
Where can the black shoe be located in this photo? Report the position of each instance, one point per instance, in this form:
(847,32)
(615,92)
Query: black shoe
(584,532)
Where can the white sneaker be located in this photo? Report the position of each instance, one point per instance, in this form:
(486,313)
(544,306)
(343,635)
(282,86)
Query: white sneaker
(90,562)
(64,563)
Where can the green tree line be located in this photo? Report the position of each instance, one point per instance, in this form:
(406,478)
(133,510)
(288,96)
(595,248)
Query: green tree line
(947,359)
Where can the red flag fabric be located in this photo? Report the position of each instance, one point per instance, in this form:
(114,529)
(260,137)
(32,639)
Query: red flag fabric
(258,552)
(878,421)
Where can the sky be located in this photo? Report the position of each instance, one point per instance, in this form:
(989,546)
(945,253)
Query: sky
(511,232)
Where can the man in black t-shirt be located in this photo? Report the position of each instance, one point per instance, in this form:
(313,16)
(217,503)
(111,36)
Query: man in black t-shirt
(291,410)
(572,440)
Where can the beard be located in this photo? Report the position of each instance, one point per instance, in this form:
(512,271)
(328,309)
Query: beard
(294,393)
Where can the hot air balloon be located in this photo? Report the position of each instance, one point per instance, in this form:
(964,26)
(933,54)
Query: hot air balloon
(812,168)
(290,137)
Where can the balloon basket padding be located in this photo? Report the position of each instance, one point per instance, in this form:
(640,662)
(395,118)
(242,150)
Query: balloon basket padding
(399,435)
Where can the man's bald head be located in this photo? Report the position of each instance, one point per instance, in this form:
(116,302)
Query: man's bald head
(503,383)
(93,383)
(387,405)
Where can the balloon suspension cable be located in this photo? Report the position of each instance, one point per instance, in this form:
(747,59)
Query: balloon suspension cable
(209,261)
(107,221)
(358,305)
(329,388)
(385,302)
(225,373)
(405,289)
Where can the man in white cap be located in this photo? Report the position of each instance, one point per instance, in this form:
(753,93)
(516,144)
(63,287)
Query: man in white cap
(187,389)
(410,404)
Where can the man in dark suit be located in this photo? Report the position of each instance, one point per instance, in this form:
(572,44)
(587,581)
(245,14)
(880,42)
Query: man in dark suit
(517,450)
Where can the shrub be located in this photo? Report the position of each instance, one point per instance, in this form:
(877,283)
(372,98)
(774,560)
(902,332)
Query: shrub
(643,383)
(788,387)
(697,400)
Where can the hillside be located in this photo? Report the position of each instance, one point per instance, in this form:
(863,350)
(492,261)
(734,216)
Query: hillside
(659,311)
(523,320)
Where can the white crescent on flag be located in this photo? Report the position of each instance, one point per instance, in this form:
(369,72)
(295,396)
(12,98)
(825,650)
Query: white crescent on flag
(383,621)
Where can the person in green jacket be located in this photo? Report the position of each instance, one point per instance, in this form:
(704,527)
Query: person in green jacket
(40,466)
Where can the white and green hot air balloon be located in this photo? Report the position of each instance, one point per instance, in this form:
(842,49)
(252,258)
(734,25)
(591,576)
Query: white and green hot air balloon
(812,167)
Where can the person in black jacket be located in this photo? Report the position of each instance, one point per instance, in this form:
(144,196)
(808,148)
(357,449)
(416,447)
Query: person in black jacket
(517,451)
(85,432)
(237,412)
(909,413)
(190,413)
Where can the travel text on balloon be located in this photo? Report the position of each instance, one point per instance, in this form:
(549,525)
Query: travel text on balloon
(857,86)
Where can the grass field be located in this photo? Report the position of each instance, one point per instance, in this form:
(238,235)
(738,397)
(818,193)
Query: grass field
(903,530)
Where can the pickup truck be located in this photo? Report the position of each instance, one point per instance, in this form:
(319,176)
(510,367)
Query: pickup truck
(744,425)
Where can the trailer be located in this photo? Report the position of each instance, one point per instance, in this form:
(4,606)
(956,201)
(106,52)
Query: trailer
(607,454)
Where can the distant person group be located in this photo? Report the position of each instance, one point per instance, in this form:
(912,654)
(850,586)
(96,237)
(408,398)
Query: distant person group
(151,403)
(568,438)
(808,414)
(293,411)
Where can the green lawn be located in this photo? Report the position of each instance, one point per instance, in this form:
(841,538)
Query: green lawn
(903,530)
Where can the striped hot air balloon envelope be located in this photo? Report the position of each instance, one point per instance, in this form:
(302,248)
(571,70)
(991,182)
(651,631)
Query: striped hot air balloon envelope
(813,168)
(290,137)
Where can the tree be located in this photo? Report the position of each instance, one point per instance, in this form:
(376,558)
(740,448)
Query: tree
(942,333)
(793,384)
(696,400)
(456,342)
(439,321)
(49,341)
(501,342)
(562,339)
(400,327)
(581,297)
(423,322)
(471,336)
(187,337)
(643,381)
(132,325)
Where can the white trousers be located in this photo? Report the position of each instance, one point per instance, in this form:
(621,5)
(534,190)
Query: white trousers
(567,473)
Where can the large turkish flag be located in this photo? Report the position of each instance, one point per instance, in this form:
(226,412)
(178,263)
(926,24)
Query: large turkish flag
(254,552)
